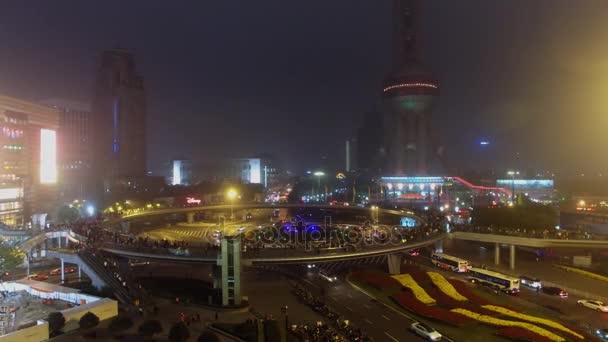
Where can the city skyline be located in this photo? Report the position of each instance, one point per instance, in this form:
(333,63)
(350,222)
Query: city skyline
(328,87)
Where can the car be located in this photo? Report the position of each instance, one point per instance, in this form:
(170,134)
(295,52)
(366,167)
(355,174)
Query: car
(309,266)
(602,333)
(38,277)
(593,304)
(57,271)
(425,331)
(555,291)
(531,282)
(413,252)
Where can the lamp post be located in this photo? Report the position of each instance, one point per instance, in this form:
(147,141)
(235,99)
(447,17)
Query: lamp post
(231,195)
(375,214)
(319,174)
(512,174)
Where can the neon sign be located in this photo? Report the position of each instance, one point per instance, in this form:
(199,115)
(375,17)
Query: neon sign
(191,200)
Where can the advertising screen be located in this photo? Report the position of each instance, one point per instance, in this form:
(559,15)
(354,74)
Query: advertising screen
(48,156)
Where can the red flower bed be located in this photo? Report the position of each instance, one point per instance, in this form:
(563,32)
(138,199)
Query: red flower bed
(377,280)
(521,334)
(464,290)
(447,302)
(417,273)
(588,336)
(407,300)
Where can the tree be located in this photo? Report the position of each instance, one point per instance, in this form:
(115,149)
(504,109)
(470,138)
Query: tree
(10,257)
(67,215)
(179,332)
(56,323)
(208,336)
(120,323)
(150,327)
(88,320)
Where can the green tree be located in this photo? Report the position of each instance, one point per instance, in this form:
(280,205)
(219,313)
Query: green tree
(179,332)
(208,336)
(10,257)
(150,327)
(88,320)
(120,323)
(56,323)
(67,215)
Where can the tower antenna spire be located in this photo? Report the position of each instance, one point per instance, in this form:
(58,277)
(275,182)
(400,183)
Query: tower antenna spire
(406,38)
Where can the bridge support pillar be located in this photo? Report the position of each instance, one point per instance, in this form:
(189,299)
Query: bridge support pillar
(190,217)
(394,263)
(497,254)
(512,257)
(79,272)
(230,261)
(59,242)
(27,263)
(439,246)
(124,225)
(62,272)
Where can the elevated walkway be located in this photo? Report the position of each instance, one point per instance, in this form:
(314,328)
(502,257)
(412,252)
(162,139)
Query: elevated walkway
(94,269)
(528,241)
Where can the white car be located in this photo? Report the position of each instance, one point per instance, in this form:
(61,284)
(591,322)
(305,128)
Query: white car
(593,304)
(425,331)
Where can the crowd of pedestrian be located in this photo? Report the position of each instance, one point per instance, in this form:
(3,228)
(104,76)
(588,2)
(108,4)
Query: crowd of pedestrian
(342,329)
(546,233)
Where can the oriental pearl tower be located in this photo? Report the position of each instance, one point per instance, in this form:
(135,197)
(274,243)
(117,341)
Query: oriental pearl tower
(408,96)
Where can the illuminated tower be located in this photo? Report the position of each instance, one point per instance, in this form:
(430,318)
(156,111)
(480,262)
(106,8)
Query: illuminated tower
(409,93)
(119,118)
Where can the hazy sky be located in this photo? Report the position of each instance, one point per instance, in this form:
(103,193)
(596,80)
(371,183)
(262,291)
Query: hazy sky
(294,78)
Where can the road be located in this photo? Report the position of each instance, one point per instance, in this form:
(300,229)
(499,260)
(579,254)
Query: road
(377,320)
(53,279)
(526,264)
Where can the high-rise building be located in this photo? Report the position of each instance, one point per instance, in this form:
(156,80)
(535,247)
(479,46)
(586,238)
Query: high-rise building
(119,119)
(255,171)
(409,93)
(28,158)
(181,172)
(74,143)
(370,144)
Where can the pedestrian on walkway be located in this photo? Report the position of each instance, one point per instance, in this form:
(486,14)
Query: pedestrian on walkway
(216,315)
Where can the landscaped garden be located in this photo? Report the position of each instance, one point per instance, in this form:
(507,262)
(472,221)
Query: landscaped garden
(457,310)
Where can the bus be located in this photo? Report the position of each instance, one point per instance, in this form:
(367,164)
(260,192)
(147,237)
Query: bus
(506,283)
(449,262)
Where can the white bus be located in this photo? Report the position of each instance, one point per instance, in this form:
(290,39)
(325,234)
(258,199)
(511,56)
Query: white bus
(504,282)
(449,262)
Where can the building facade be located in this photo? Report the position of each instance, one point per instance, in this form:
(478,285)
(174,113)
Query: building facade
(74,144)
(255,171)
(181,172)
(28,154)
(119,117)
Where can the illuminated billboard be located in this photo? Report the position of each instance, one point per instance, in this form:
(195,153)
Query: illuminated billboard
(48,156)
(525,183)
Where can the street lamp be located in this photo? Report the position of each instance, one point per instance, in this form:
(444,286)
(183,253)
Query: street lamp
(375,214)
(319,174)
(512,174)
(232,195)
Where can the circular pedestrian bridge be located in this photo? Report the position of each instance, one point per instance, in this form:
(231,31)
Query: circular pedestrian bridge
(382,235)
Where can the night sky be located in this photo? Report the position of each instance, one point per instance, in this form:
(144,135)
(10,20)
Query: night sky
(294,78)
